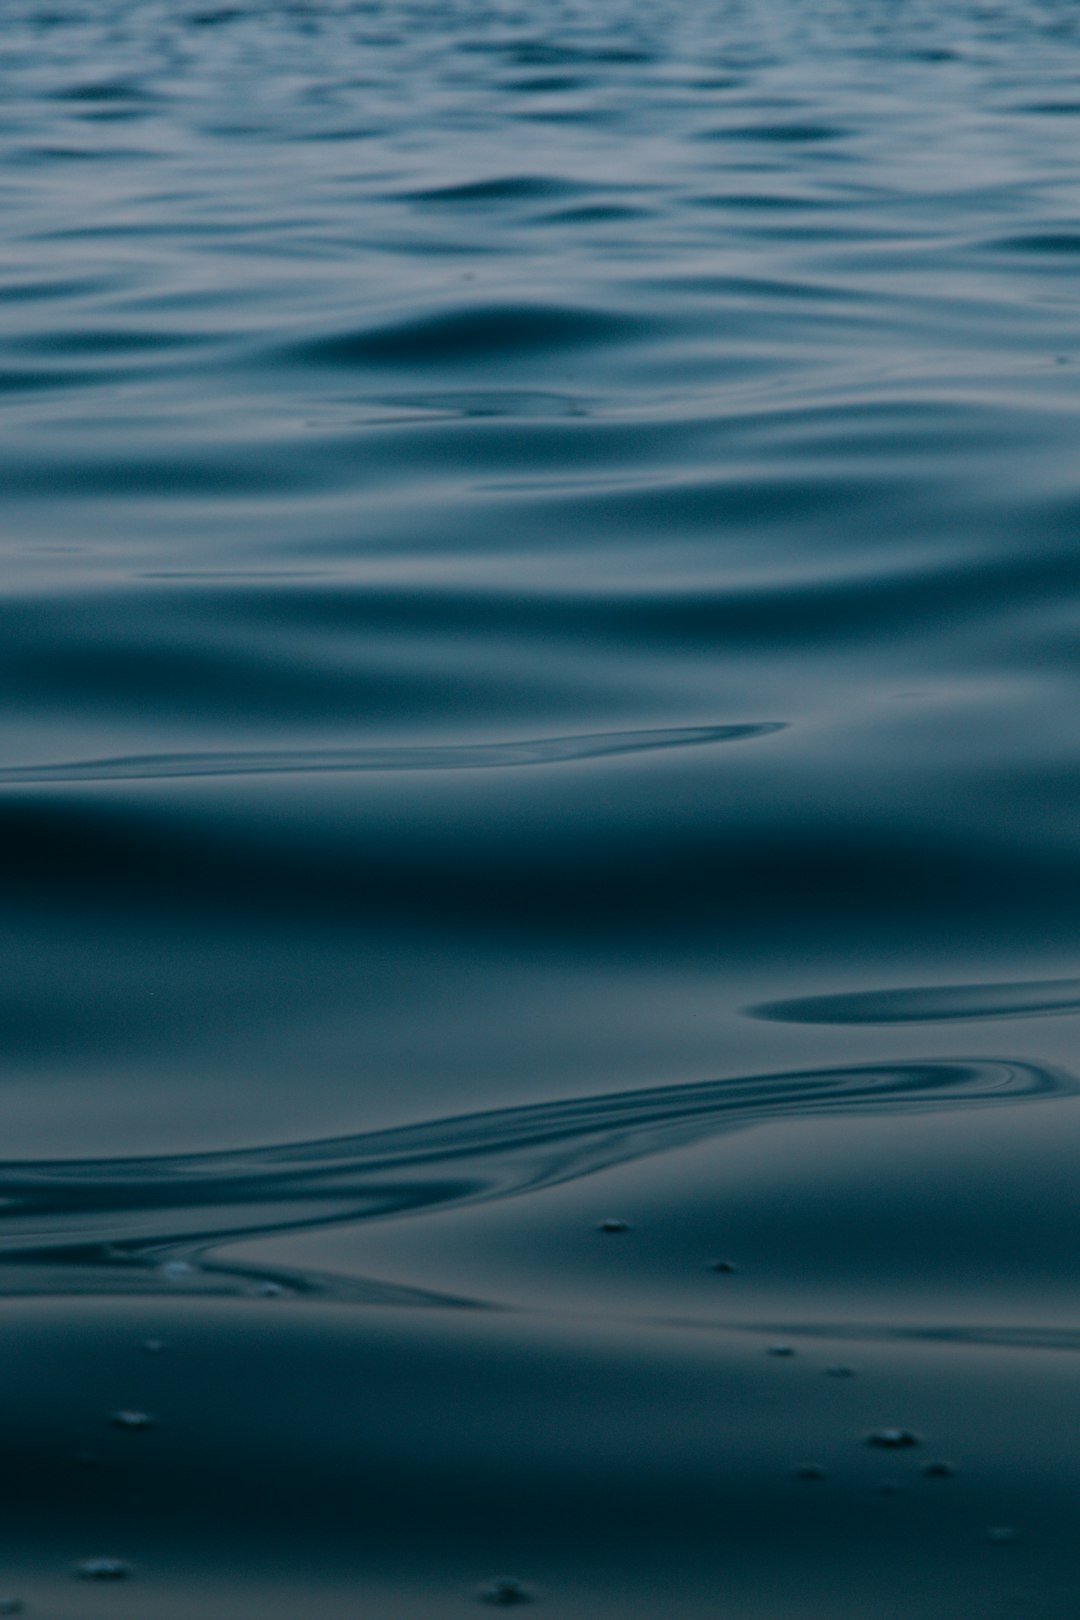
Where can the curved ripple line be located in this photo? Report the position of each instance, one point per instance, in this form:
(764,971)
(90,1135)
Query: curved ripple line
(113,1215)
(446,757)
(931,1004)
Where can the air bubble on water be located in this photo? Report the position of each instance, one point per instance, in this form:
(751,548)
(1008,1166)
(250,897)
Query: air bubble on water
(506,1591)
(133,1420)
(939,1470)
(103,1569)
(780,1350)
(892,1439)
(176,1269)
(614,1225)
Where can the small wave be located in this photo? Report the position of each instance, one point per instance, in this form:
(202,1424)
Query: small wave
(498,189)
(933,1004)
(1052,243)
(597,214)
(101,343)
(481,332)
(791,132)
(215,17)
(552,53)
(491,403)
(105,91)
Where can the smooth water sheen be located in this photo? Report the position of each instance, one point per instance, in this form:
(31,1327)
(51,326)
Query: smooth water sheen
(540,808)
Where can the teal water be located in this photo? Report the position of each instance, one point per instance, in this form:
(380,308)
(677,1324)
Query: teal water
(539,805)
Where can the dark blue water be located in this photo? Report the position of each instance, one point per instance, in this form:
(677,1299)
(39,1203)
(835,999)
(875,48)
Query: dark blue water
(540,808)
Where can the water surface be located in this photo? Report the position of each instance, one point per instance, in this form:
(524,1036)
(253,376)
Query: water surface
(539,805)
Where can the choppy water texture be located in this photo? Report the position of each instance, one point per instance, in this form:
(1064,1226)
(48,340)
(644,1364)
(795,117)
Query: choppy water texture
(540,808)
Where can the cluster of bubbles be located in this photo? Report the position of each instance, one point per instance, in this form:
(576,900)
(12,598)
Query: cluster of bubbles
(507,1591)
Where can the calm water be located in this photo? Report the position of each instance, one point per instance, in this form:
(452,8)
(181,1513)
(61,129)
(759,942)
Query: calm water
(540,808)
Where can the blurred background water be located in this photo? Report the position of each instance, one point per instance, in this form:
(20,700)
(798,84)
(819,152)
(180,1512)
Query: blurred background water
(540,807)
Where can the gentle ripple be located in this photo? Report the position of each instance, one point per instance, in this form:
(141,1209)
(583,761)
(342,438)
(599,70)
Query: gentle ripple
(539,565)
